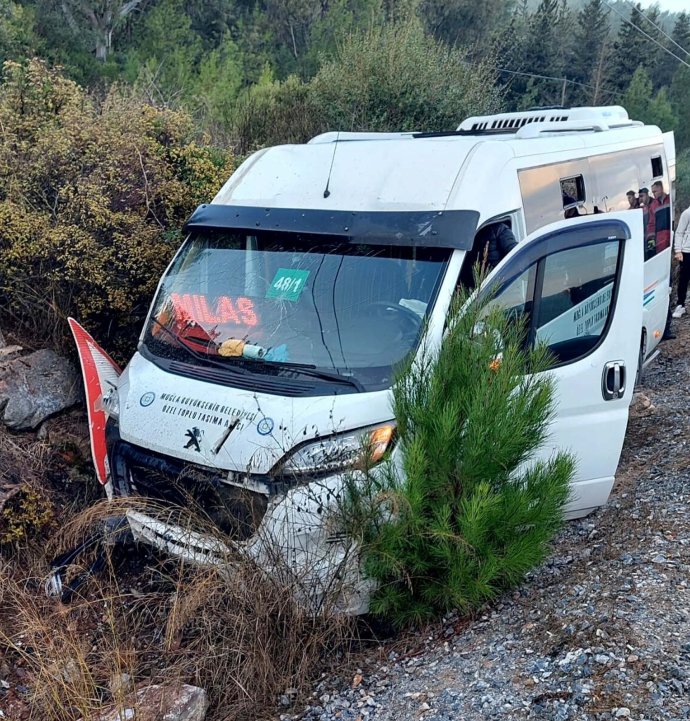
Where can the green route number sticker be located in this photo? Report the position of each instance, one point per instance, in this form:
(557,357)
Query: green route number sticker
(288,284)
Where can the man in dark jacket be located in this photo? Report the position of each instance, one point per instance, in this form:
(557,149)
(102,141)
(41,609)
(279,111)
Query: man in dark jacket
(495,241)
(491,244)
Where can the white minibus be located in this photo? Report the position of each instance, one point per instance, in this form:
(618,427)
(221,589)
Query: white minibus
(275,333)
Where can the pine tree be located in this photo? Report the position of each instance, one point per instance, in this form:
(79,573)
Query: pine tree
(642,104)
(661,111)
(654,52)
(473,513)
(565,49)
(633,49)
(512,47)
(543,56)
(679,95)
(680,36)
(638,95)
(589,61)
(464,22)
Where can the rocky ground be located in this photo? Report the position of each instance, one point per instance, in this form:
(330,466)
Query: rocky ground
(601,631)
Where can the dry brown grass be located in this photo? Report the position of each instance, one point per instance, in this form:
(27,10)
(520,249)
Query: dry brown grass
(25,507)
(44,477)
(240,635)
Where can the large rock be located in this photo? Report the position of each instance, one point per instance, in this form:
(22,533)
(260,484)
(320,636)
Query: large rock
(162,703)
(35,386)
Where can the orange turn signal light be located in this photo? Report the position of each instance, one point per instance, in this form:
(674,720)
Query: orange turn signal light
(379,440)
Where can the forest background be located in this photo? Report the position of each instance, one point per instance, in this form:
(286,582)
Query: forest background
(120,116)
(209,55)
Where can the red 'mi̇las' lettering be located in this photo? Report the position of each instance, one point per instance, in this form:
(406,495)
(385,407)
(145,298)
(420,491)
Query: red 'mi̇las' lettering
(226,310)
(246,307)
(196,306)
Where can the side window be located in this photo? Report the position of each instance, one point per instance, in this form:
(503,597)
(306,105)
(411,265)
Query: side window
(573,303)
(516,298)
(657,167)
(573,195)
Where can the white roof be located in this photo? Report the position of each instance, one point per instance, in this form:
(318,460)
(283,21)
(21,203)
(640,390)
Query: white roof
(388,174)
(408,171)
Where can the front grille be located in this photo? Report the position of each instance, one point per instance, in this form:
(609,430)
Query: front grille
(235,511)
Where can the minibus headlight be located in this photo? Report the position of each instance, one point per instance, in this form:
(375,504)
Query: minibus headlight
(341,451)
(110,402)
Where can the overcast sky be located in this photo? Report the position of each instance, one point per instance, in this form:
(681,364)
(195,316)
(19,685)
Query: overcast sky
(674,6)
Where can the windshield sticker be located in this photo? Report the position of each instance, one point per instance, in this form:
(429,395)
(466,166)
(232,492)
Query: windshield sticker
(587,318)
(265,426)
(288,284)
(225,310)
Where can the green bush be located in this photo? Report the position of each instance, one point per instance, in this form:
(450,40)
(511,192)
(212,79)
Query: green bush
(273,112)
(397,77)
(390,77)
(92,198)
(683,181)
(468,517)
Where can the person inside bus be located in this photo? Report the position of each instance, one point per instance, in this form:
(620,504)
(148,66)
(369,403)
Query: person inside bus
(658,233)
(570,209)
(643,197)
(491,244)
(659,221)
(633,200)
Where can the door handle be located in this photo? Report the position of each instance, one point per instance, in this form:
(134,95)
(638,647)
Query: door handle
(613,380)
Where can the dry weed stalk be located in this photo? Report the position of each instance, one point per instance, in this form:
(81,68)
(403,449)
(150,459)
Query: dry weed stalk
(229,628)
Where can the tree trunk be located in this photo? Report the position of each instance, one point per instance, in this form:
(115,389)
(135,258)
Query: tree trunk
(599,74)
(101,50)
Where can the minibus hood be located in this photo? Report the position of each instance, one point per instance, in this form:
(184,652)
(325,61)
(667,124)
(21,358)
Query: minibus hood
(189,419)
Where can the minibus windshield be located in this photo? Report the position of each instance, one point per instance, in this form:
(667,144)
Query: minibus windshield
(326,308)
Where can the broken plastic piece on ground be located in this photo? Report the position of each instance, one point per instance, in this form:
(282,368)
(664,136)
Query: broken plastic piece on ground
(115,530)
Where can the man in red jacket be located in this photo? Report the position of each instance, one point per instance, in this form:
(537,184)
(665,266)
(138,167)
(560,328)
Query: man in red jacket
(659,221)
(659,228)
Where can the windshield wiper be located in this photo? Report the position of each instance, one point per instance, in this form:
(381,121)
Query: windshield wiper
(195,354)
(311,370)
(304,368)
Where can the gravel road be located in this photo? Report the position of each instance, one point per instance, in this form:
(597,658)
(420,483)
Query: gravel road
(601,631)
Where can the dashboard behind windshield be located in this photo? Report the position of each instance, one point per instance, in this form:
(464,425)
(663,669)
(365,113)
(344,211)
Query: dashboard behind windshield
(272,302)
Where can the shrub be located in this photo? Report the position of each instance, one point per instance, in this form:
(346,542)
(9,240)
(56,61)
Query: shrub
(273,112)
(92,197)
(683,181)
(27,509)
(397,77)
(27,513)
(391,77)
(469,515)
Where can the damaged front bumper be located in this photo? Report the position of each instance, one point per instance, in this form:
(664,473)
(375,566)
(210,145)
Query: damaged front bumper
(291,532)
